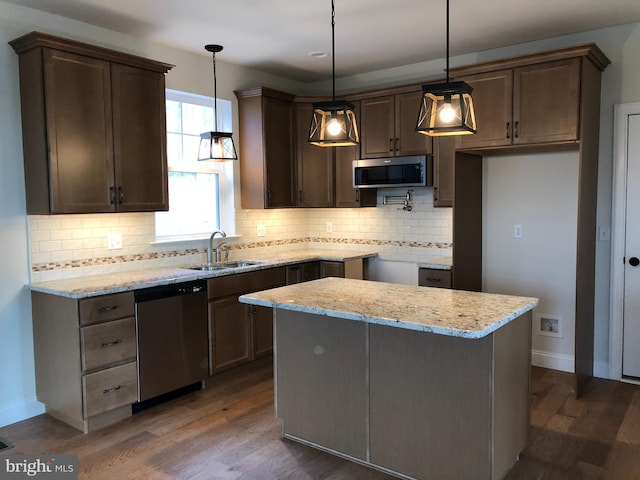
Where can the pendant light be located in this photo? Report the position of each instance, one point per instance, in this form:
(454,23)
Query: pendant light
(216,146)
(333,124)
(446,108)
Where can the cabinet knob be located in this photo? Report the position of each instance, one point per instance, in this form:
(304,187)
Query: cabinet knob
(634,262)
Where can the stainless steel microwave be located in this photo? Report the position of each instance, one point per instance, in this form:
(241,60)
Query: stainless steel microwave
(390,172)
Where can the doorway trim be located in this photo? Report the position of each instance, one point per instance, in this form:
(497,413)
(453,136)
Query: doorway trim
(618,232)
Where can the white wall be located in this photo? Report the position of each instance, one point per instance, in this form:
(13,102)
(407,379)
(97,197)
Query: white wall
(539,192)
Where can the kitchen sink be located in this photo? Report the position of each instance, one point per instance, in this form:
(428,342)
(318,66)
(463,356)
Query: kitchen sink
(225,265)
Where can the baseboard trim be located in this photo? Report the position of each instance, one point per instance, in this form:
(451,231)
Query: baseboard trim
(554,361)
(21,411)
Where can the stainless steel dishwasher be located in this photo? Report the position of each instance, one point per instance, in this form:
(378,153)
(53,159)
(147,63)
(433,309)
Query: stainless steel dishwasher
(171,323)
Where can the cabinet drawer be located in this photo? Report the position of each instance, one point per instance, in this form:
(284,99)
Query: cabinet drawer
(106,307)
(110,388)
(107,343)
(246,282)
(431,277)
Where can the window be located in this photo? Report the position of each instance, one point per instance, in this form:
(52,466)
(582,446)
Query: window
(200,193)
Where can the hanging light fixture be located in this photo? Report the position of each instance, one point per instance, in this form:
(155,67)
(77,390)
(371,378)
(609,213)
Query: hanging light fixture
(216,146)
(446,108)
(333,123)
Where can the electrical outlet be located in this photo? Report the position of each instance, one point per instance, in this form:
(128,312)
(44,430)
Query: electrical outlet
(329,227)
(517,231)
(261,231)
(549,325)
(114,241)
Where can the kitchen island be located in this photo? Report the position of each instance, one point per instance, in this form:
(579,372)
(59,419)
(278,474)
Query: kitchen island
(417,382)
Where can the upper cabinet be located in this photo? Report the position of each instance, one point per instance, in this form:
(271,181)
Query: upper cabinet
(94,129)
(388,126)
(315,164)
(528,101)
(267,134)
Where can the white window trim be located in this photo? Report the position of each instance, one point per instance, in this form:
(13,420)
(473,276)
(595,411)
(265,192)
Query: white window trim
(225,191)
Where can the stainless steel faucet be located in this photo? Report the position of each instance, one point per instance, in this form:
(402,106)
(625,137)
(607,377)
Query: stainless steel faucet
(210,248)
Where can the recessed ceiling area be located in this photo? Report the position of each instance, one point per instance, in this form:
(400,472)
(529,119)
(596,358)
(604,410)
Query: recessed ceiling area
(278,36)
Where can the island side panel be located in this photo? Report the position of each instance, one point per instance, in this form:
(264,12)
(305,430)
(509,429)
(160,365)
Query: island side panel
(512,380)
(321,380)
(430,401)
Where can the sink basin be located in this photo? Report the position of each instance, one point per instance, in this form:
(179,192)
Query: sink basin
(240,264)
(207,268)
(224,265)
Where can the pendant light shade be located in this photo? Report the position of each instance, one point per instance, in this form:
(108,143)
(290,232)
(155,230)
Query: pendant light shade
(333,124)
(446,108)
(216,146)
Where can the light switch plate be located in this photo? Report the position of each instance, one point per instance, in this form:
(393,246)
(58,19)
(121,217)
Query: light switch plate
(260,231)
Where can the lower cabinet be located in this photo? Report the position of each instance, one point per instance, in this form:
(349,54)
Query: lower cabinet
(239,333)
(85,357)
(432,277)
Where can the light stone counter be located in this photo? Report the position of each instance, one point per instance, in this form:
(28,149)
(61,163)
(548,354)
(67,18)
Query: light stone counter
(96,285)
(441,263)
(442,311)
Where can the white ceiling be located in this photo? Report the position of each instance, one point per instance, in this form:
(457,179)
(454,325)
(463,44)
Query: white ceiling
(277,36)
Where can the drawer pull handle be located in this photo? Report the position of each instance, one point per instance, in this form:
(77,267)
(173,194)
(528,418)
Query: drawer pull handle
(108,309)
(431,279)
(109,391)
(110,344)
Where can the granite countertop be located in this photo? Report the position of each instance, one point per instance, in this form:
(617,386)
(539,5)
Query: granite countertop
(443,311)
(96,285)
(440,263)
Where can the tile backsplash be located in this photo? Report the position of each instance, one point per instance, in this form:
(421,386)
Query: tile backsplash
(68,246)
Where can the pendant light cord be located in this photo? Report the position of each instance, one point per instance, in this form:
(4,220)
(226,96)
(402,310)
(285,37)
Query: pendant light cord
(447,41)
(215,96)
(333,46)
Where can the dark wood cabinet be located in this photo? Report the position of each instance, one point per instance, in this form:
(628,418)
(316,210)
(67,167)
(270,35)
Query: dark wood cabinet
(229,334)
(444,152)
(303,272)
(388,126)
(526,105)
(315,164)
(94,132)
(267,162)
(139,139)
(346,195)
(239,333)
(432,277)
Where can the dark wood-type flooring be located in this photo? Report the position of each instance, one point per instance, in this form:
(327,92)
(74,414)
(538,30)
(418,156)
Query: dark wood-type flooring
(228,431)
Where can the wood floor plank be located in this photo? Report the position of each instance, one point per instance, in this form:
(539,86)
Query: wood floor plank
(228,431)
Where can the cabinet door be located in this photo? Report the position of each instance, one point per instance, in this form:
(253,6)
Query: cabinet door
(331,269)
(546,102)
(408,141)
(492,101)
(229,334)
(346,195)
(377,136)
(278,152)
(315,164)
(140,139)
(262,322)
(443,163)
(77,92)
